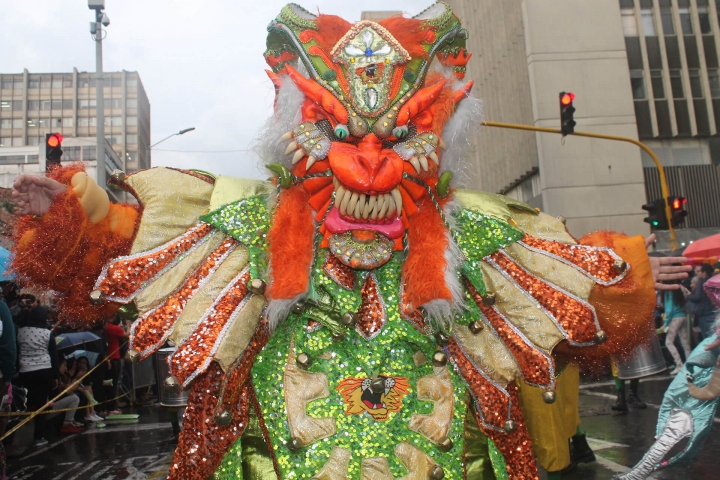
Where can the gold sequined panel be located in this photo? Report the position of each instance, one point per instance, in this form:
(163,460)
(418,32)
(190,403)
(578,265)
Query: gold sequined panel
(436,388)
(301,388)
(599,263)
(521,309)
(230,189)
(488,352)
(375,468)
(203,442)
(556,272)
(543,226)
(123,278)
(492,399)
(537,367)
(169,283)
(336,467)
(172,201)
(417,463)
(339,272)
(575,317)
(207,293)
(150,330)
(194,355)
(240,332)
(371,315)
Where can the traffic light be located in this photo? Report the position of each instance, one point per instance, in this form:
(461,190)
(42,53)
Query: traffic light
(656,217)
(677,209)
(53,150)
(567,123)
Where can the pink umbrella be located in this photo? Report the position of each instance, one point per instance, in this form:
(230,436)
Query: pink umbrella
(712,288)
(705,250)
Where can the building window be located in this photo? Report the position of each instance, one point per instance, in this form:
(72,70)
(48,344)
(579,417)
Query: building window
(32,141)
(704,20)
(89,153)
(638,85)
(648,24)
(57,82)
(132,138)
(714,80)
(33,105)
(131,156)
(658,88)
(113,103)
(18,142)
(44,123)
(87,122)
(18,84)
(71,154)
(666,18)
(113,139)
(628,22)
(6,84)
(5,105)
(695,83)
(6,123)
(5,141)
(45,104)
(67,122)
(87,82)
(676,84)
(131,103)
(56,122)
(131,82)
(131,121)
(67,104)
(34,82)
(12,159)
(113,121)
(45,82)
(32,123)
(87,103)
(685,21)
(32,159)
(17,123)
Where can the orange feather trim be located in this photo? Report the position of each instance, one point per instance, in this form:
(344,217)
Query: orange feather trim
(424,268)
(290,245)
(410,32)
(330,29)
(625,309)
(64,252)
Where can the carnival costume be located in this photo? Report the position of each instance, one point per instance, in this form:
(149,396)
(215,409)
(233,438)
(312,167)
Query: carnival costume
(359,316)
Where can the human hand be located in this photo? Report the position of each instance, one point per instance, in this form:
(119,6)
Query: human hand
(666,268)
(35,194)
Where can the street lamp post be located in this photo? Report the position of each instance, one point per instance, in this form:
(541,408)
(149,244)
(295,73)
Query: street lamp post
(181,132)
(101,19)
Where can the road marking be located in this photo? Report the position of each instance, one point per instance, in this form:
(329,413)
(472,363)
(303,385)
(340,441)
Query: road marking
(610,465)
(52,445)
(129,428)
(607,384)
(597,444)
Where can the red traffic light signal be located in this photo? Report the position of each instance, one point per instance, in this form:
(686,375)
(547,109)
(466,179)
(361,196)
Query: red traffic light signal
(54,140)
(677,210)
(567,122)
(567,98)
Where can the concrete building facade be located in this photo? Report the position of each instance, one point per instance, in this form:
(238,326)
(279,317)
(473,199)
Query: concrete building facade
(32,105)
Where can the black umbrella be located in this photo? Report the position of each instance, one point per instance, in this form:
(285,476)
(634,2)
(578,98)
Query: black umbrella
(75,339)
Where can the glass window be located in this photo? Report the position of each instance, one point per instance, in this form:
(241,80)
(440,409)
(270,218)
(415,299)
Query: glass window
(18,84)
(714,80)
(45,104)
(34,82)
(648,24)
(32,159)
(131,82)
(18,142)
(113,102)
(44,123)
(638,86)
(676,84)
(57,104)
(17,105)
(67,122)
(131,103)
(56,122)
(658,87)
(6,123)
(87,103)
(667,21)
(82,122)
(45,82)
(5,159)
(67,81)
(114,139)
(704,20)
(5,105)
(67,104)
(132,138)
(89,153)
(131,156)
(17,123)
(5,141)
(695,83)
(131,120)
(685,21)
(85,82)
(71,154)
(33,105)
(32,123)
(628,22)
(33,141)
(57,82)
(116,82)
(6,84)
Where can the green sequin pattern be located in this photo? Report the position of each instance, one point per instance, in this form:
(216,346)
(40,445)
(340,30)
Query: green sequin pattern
(390,353)
(247,221)
(478,236)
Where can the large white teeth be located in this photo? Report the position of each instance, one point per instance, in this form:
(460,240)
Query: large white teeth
(362,206)
(415,163)
(398,199)
(292,146)
(286,136)
(310,161)
(298,156)
(433,156)
(423,162)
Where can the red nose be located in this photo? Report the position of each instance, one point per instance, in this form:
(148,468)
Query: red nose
(367,167)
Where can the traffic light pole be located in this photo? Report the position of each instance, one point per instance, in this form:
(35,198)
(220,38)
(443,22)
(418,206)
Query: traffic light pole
(663,180)
(99,103)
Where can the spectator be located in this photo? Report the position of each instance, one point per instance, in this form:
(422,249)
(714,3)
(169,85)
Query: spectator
(8,357)
(699,304)
(114,334)
(675,323)
(83,365)
(69,400)
(38,364)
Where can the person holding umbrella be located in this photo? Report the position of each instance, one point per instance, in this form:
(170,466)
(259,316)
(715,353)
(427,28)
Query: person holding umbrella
(699,304)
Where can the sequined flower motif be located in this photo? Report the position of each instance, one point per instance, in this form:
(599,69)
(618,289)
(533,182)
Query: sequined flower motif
(377,397)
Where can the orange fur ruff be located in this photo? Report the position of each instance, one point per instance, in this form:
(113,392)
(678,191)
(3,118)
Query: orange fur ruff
(290,245)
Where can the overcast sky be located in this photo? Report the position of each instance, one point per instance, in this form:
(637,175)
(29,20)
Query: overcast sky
(200,61)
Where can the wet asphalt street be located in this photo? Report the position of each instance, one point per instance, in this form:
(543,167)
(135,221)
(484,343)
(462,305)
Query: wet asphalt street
(142,451)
